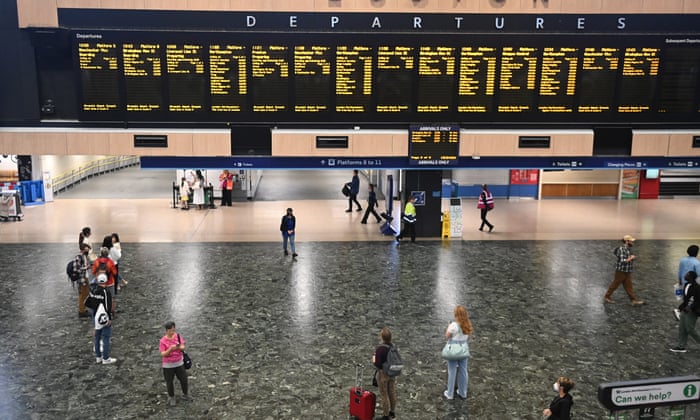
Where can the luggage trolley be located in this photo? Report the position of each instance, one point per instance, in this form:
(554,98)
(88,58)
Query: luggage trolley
(10,208)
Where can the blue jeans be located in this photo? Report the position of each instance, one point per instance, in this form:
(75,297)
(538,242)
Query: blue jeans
(287,237)
(105,334)
(462,377)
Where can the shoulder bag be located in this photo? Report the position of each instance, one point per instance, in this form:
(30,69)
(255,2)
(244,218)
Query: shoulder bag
(186,361)
(455,350)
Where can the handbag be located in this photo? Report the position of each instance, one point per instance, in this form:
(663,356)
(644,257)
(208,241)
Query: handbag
(186,361)
(455,350)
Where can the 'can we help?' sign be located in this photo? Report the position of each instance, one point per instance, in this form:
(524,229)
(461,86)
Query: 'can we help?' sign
(650,392)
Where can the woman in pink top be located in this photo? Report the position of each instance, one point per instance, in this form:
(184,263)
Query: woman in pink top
(171,347)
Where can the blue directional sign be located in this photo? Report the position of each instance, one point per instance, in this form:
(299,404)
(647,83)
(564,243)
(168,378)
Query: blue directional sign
(379,162)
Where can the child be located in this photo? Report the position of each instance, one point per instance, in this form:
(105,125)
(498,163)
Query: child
(184,191)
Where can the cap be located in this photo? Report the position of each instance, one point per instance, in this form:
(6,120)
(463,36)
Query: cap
(102,278)
(629,238)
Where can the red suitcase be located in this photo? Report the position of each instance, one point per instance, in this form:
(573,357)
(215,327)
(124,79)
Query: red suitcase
(362,401)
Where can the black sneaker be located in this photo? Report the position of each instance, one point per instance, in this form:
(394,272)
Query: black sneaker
(348,210)
(679,349)
(295,255)
(285,252)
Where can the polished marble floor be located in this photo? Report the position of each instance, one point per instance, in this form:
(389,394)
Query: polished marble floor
(274,338)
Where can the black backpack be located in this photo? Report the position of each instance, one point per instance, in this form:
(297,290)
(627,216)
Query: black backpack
(72,270)
(92,301)
(393,364)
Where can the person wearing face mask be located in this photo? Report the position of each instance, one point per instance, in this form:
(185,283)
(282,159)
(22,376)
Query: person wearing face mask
(560,407)
(623,271)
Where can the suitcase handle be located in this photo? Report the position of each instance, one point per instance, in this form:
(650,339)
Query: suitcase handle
(359,378)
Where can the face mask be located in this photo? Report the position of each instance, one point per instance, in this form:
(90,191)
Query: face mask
(556,387)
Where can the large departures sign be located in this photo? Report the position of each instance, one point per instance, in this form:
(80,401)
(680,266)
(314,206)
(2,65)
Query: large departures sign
(394,78)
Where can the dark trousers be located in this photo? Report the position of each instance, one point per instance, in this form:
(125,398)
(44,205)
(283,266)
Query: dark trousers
(408,229)
(353,197)
(170,373)
(370,209)
(484,212)
(226,197)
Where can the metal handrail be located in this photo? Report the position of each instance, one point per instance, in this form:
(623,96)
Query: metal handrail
(93,168)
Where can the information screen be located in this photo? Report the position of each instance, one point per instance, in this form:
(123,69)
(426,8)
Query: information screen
(386,78)
(433,145)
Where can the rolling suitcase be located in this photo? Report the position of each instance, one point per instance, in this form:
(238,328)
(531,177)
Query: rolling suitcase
(387,229)
(362,401)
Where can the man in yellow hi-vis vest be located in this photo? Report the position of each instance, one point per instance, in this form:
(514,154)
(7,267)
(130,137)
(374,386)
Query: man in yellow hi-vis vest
(409,220)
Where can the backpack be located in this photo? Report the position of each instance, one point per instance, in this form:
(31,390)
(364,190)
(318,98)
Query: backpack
(393,364)
(101,268)
(92,301)
(72,270)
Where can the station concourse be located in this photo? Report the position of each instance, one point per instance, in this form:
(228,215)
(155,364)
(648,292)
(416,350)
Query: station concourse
(275,338)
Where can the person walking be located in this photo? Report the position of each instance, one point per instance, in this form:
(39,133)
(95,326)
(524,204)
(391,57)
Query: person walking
(689,263)
(288,229)
(386,384)
(103,334)
(485,205)
(171,347)
(226,179)
(354,186)
(690,310)
(371,204)
(409,220)
(458,331)
(560,407)
(623,271)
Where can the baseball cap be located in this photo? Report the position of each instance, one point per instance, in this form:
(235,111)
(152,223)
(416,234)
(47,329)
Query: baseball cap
(102,278)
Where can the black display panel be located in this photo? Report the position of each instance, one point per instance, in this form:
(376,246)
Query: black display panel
(386,78)
(433,145)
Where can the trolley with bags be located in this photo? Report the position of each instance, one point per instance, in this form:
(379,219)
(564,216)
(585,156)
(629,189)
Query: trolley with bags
(362,401)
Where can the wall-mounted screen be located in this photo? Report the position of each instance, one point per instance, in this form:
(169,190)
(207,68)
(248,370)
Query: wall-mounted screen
(473,79)
(433,145)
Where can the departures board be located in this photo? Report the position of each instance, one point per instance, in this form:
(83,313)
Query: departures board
(386,78)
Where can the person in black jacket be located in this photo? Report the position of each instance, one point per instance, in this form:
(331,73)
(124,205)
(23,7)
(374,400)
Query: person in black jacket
(102,296)
(354,186)
(371,204)
(288,229)
(560,407)
(690,309)
(385,383)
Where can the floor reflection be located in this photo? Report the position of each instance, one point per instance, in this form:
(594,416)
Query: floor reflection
(272,338)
